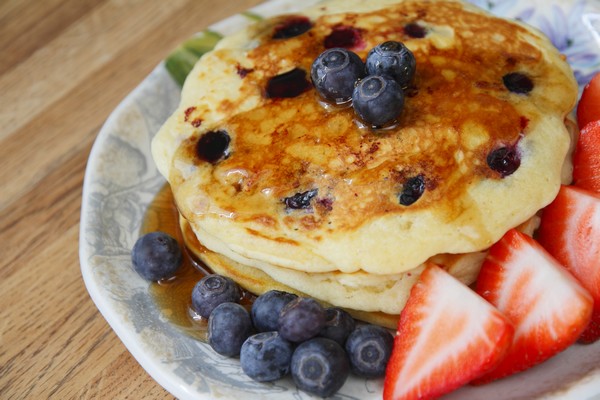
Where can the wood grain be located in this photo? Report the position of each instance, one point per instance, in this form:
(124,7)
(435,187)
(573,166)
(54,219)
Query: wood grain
(65,65)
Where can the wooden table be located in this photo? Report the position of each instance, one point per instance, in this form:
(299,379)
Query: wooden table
(64,66)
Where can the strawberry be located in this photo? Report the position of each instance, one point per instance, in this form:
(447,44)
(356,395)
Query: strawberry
(447,336)
(548,307)
(588,109)
(586,159)
(570,231)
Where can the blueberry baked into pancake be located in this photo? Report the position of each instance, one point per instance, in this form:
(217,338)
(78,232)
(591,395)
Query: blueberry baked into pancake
(298,161)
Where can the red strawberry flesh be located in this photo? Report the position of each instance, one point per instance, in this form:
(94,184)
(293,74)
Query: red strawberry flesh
(586,159)
(570,231)
(447,336)
(588,109)
(547,305)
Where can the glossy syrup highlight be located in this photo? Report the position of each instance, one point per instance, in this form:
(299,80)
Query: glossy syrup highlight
(173,296)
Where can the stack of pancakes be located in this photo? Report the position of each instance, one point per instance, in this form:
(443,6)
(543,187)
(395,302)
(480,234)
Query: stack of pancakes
(301,196)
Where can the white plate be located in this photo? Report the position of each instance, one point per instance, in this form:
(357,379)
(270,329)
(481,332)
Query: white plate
(121,180)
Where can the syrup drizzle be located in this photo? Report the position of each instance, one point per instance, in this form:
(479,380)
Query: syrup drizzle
(173,296)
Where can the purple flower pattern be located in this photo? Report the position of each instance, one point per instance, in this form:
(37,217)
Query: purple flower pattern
(572,26)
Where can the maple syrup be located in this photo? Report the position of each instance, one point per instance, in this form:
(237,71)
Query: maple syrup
(173,296)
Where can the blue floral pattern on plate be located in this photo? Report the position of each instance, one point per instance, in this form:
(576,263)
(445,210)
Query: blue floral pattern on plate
(121,180)
(572,26)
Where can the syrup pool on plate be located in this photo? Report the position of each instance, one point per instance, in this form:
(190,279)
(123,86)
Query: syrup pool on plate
(173,296)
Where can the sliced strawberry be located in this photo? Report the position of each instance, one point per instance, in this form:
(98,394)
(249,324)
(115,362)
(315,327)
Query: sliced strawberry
(548,307)
(570,231)
(447,336)
(588,109)
(586,160)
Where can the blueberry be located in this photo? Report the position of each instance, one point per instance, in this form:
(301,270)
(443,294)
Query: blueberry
(334,73)
(287,85)
(320,367)
(229,325)
(378,100)
(338,325)
(415,30)
(393,59)
(266,308)
(266,356)
(369,348)
(412,190)
(301,319)
(213,290)
(156,256)
(212,146)
(294,26)
(505,160)
(344,36)
(517,82)
(300,200)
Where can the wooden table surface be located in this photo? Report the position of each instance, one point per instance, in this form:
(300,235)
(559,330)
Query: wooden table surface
(64,66)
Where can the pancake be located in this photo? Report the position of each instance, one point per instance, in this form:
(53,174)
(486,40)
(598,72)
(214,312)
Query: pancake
(285,146)
(377,299)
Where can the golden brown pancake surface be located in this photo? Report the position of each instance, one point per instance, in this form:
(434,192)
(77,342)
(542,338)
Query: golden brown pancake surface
(457,113)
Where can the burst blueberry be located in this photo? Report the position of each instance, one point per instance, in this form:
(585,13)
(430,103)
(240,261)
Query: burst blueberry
(378,100)
(229,325)
(301,319)
(320,366)
(518,83)
(213,290)
(156,256)
(300,200)
(266,356)
(287,85)
(334,73)
(415,30)
(392,59)
(293,26)
(369,348)
(412,190)
(267,307)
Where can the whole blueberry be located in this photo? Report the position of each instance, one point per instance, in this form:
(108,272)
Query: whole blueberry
(229,325)
(369,348)
(266,356)
(156,256)
(213,290)
(393,59)
(320,366)
(378,100)
(334,73)
(338,325)
(213,146)
(301,319)
(266,308)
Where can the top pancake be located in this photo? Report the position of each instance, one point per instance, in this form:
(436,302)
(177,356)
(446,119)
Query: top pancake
(457,113)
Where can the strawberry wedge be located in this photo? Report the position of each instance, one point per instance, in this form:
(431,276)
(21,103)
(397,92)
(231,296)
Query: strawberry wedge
(570,231)
(447,336)
(588,109)
(548,307)
(586,159)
